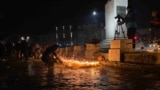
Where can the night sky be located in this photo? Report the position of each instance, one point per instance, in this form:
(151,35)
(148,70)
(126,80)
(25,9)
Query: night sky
(143,9)
(30,16)
(42,16)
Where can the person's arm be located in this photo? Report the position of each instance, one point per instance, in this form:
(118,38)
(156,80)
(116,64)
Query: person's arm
(57,58)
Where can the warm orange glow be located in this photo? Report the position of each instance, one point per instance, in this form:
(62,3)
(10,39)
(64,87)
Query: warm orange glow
(79,63)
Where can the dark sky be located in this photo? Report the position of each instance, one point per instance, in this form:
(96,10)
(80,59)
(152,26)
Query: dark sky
(143,9)
(30,16)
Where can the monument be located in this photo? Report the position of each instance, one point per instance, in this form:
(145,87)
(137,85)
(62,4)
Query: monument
(112,9)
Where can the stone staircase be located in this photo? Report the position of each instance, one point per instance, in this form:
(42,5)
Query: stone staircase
(105,45)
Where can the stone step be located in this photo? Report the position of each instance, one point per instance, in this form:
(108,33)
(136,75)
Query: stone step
(105,43)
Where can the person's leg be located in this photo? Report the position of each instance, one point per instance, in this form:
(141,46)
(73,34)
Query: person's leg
(50,76)
(50,70)
(131,33)
(50,67)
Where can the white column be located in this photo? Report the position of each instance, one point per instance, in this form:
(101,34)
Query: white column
(112,9)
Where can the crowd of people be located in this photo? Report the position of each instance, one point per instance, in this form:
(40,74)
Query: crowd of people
(20,50)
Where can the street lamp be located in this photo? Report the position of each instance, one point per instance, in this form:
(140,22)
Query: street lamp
(94,13)
(96,21)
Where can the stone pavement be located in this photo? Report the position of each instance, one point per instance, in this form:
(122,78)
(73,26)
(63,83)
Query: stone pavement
(34,75)
(17,74)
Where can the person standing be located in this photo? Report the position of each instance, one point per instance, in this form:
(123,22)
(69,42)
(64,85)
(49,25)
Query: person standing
(24,49)
(155,25)
(130,21)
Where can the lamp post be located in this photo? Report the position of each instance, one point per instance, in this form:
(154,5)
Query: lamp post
(94,13)
(95,17)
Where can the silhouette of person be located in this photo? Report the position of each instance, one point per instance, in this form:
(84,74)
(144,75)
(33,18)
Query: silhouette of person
(130,21)
(50,57)
(155,25)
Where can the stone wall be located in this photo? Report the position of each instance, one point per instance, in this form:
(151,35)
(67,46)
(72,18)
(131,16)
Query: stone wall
(142,57)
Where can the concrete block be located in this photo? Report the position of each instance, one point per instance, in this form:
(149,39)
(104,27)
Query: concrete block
(78,48)
(127,41)
(142,57)
(114,55)
(69,48)
(127,50)
(122,43)
(92,46)
(116,44)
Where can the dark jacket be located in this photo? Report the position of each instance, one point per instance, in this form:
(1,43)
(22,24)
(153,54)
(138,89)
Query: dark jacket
(47,56)
(130,20)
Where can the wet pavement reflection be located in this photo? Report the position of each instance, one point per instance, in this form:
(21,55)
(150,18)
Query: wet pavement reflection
(35,75)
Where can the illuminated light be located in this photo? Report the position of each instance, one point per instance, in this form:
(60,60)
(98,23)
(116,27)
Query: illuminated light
(56,35)
(63,32)
(63,35)
(71,43)
(135,37)
(60,44)
(27,38)
(22,38)
(56,28)
(71,34)
(94,13)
